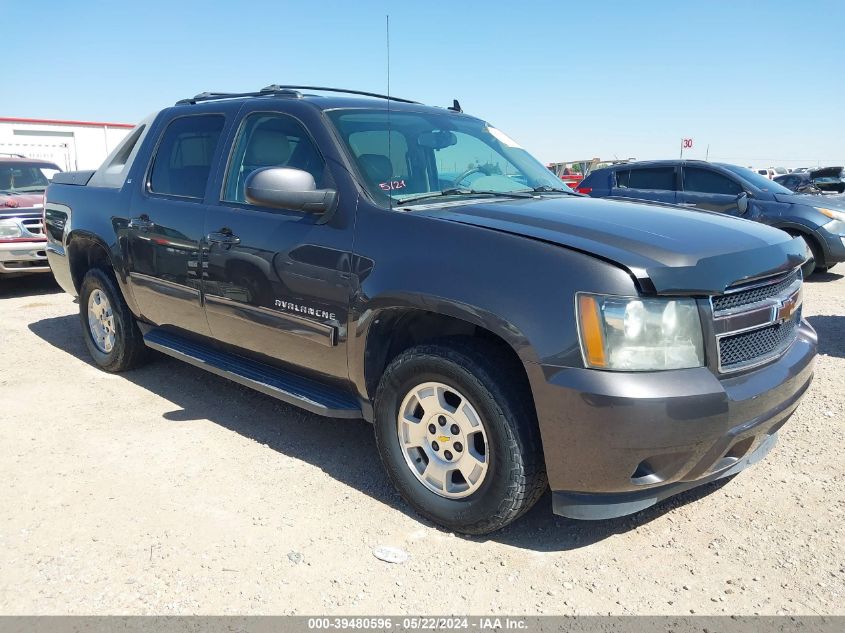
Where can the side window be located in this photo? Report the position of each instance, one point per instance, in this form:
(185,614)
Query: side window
(184,155)
(271,140)
(707,181)
(654,178)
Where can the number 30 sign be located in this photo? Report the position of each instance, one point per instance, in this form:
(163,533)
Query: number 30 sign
(687,143)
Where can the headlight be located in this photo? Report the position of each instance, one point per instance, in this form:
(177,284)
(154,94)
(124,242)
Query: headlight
(635,334)
(835,215)
(10,229)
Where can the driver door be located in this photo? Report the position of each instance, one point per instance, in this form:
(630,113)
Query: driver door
(277,282)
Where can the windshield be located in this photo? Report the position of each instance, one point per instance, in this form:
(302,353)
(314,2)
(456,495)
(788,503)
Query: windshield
(25,177)
(416,156)
(760,182)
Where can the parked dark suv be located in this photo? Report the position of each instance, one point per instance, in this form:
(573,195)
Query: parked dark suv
(732,190)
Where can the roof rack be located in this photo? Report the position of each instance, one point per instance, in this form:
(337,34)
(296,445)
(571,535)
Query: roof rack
(276,90)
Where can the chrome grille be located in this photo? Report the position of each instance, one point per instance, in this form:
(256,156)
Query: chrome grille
(757,346)
(33,225)
(757,322)
(770,288)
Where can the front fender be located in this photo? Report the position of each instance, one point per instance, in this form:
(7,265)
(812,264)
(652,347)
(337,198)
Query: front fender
(799,224)
(518,288)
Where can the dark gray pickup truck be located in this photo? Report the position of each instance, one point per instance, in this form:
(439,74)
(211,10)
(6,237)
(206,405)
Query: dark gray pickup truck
(414,266)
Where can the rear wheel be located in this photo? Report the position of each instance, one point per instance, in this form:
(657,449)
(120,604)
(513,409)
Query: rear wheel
(111,332)
(458,439)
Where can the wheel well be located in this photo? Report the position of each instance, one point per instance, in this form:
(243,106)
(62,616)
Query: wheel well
(85,254)
(396,330)
(815,245)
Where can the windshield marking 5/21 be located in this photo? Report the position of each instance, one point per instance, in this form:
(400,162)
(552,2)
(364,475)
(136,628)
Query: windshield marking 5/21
(415,156)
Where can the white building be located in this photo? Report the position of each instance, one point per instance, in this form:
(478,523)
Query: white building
(71,145)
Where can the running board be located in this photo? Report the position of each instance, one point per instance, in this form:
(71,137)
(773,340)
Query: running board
(285,386)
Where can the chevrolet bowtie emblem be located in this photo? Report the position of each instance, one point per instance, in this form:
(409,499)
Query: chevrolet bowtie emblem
(788,307)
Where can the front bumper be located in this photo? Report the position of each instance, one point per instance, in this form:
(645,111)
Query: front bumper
(833,240)
(616,442)
(23,257)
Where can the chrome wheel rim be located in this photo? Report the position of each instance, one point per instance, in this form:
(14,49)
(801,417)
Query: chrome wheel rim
(101,321)
(443,440)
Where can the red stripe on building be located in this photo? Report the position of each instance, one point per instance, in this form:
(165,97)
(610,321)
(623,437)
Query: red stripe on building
(127,126)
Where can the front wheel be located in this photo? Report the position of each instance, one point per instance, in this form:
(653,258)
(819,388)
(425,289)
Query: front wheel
(458,436)
(814,265)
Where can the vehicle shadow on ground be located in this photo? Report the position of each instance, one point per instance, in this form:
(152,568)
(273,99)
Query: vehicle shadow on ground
(343,449)
(831,331)
(28,286)
(826,276)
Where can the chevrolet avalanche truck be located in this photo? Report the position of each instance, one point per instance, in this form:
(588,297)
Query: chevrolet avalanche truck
(22,184)
(370,257)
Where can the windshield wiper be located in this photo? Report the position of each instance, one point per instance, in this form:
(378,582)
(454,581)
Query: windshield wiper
(550,189)
(459,191)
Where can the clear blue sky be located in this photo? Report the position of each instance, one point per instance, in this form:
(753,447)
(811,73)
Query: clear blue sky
(763,83)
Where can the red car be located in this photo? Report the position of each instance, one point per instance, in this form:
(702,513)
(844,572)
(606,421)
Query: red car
(22,184)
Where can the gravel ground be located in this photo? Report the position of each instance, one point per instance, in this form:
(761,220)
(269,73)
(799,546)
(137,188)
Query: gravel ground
(169,490)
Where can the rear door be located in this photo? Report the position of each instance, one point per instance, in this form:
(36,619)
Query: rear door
(277,282)
(166,223)
(658,183)
(706,188)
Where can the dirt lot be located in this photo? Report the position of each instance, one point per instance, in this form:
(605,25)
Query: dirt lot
(169,490)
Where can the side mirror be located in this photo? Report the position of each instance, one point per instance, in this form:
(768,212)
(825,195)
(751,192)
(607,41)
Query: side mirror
(287,188)
(742,202)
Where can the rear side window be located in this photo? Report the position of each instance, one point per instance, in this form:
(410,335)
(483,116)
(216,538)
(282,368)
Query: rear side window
(654,178)
(183,159)
(706,181)
(115,169)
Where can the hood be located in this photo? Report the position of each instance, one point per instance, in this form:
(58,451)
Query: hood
(813,200)
(668,249)
(9,201)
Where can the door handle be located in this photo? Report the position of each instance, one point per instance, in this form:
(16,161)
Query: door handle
(142,224)
(223,237)
(686,204)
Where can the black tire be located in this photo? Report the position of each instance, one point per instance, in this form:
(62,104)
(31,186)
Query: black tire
(128,350)
(516,475)
(816,265)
